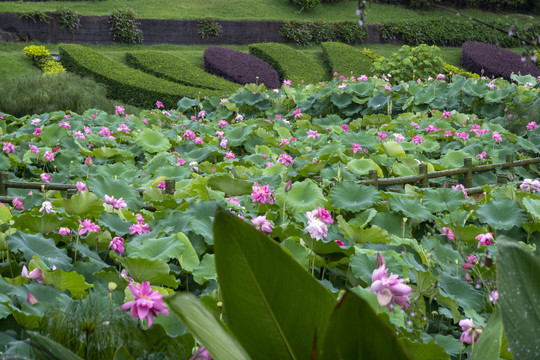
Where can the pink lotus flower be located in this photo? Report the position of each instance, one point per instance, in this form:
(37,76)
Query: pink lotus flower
(18,204)
(261,194)
(65,125)
(189,134)
(530,185)
(446,115)
(415,125)
(161,185)
(287,83)
(398,137)
(323,215)
(417,140)
(117,204)
(46,207)
(139,228)
(494,296)
(387,87)
(159,104)
(202,114)
(180,161)
(285,159)
(64,231)
(462,135)
(340,243)
(37,132)
(389,289)
(229,155)
(49,156)
(482,155)
(87,130)
(123,127)
(532,125)
(35,274)
(8,147)
(223,101)
(34,149)
(198,140)
(448,233)
(471,261)
(431,128)
(35,121)
(201,354)
(382,135)
(284,141)
(222,123)
(316,227)
(147,303)
(262,224)
(87,227)
(485,239)
(31,299)
(297,113)
(462,188)
(345,128)
(223,143)
(356,148)
(81,186)
(119,110)
(220,134)
(470,332)
(313,134)
(79,135)
(497,137)
(117,244)
(46,178)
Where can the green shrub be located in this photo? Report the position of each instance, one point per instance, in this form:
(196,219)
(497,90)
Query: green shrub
(411,63)
(41,57)
(493,5)
(124,83)
(345,59)
(445,32)
(37,94)
(289,63)
(209,28)
(69,20)
(306,4)
(311,33)
(173,68)
(124,26)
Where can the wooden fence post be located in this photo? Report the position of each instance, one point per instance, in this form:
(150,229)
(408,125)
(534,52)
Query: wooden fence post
(501,179)
(374,177)
(467,164)
(422,169)
(3,180)
(170,187)
(510,162)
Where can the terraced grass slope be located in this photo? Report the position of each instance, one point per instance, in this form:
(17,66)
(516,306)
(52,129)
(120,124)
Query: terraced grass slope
(289,63)
(345,59)
(124,83)
(176,69)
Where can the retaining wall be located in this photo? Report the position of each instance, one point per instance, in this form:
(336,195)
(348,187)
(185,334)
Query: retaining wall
(95,30)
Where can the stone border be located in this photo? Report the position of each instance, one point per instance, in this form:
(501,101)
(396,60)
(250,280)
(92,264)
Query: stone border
(95,30)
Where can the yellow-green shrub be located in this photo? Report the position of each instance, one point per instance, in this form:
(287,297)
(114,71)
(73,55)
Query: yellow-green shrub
(41,57)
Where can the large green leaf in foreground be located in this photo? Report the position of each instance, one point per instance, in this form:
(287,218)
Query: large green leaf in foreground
(205,327)
(519,290)
(355,332)
(272,305)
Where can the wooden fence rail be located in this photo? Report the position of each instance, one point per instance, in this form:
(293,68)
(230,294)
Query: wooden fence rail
(423,178)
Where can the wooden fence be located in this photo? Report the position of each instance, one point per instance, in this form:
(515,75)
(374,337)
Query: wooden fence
(422,178)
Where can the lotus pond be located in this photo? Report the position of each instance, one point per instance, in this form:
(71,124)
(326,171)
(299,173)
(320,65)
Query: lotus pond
(271,245)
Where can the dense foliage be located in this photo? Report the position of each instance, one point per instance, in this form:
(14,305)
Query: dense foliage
(493,5)
(68,19)
(124,26)
(239,67)
(209,28)
(345,59)
(274,159)
(312,33)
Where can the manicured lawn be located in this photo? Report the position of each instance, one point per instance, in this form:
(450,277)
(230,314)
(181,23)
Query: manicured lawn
(250,10)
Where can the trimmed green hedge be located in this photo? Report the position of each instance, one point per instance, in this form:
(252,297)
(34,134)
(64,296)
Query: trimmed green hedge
(124,83)
(289,63)
(176,69)
(345,59)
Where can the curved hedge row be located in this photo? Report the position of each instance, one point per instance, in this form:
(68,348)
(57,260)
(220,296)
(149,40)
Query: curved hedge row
(289,63)
(239,67)
(345,59)
(124,83)
(176,69)
(493,61)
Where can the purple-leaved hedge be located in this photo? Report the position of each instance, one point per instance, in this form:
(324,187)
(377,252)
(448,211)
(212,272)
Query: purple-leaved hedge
(239,67)
(493,61)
